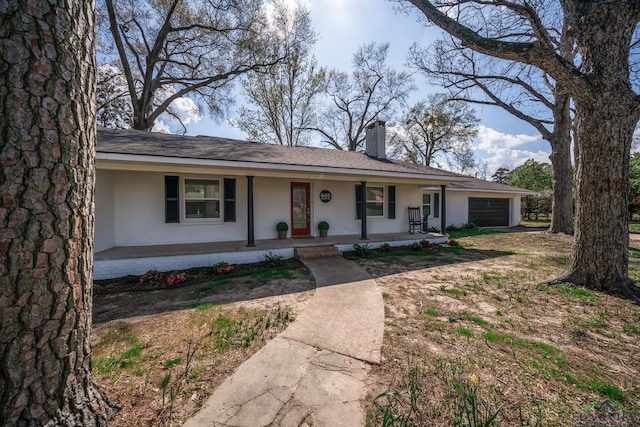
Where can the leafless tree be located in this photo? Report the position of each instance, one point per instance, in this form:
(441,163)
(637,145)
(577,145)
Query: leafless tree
(523,91)
(179,48)
(113,104)
(441,129)
(607,108)
(372,92)
(283,100)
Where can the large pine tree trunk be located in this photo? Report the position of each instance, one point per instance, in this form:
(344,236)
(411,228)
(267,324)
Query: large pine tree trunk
(562,202)
(47,128)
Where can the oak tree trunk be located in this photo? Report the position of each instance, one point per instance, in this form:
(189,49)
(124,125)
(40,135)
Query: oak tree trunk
(560,140)
(607,113)
(599,257)
(48,131)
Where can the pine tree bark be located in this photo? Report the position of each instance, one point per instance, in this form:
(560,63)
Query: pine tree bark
(48,131)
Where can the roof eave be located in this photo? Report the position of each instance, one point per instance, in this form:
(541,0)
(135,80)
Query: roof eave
(155,162)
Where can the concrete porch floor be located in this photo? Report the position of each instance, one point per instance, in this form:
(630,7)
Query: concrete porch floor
(125,260)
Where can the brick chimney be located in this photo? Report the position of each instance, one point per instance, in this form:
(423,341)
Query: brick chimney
(376,146)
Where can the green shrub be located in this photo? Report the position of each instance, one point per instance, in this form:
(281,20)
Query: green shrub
(273,261)
(362,251)
(385,247)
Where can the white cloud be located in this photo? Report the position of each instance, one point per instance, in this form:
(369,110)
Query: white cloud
(635,144)
(501,148)
(490,138)
(182,110)
(160,127)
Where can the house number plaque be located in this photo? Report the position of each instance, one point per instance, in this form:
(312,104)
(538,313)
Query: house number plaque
(325,196)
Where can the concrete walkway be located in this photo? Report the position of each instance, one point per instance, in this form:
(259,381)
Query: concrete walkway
(314,373)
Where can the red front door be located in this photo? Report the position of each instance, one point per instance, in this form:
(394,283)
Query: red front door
(300,209)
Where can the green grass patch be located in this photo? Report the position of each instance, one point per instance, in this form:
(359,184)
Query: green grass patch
(488,277)
(172,362)
(584,295)
(107,364)
(475,319)
(538,223)
(631,328)
(430,312)
(208,305)
(634,227)
(452,291)
(457,234)
(544,350)
(465,332)
(452,249)
(385,295)
(610,391)
(634,253)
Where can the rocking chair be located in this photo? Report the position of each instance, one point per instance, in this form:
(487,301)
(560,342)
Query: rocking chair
(415,220)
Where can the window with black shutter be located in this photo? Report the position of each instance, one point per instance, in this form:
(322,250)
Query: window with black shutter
(229,200)
(392,202)
(171,202)
(358,201)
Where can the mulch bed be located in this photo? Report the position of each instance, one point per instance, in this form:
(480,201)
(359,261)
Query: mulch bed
(195,276)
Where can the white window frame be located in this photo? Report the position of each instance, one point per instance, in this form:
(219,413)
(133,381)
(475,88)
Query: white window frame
(184,200)
(384,201)
(430,204)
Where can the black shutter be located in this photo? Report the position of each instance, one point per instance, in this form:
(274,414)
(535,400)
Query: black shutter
(229,200)
(436,205)
(171,200)
(358,201)
(392,202)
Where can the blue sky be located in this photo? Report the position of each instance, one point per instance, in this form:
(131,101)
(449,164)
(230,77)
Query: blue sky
(343,25)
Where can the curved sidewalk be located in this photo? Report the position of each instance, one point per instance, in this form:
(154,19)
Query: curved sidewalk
(314,373)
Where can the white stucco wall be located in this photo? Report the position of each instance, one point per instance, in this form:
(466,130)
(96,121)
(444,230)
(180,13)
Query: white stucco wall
(104,234)
(130,210)
(139,214)
(457,208)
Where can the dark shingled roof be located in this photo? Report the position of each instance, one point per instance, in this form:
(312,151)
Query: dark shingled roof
(482,185)
(223,149)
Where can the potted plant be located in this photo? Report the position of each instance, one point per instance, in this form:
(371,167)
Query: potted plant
(323,226)
(282,229)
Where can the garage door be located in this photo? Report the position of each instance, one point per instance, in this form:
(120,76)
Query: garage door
(488,212)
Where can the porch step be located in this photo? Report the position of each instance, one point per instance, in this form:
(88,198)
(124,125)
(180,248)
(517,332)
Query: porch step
(316,252)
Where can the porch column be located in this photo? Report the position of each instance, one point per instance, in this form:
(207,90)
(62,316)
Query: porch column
(363,209)
(443,209)
(251,243)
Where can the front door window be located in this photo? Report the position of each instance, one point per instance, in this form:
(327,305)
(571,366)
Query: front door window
(300,209)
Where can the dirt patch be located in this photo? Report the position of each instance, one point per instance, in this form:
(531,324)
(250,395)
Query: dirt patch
(475,322)
(126,298)
(162,350)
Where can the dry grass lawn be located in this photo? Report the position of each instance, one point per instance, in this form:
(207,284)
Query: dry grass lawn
(470,332)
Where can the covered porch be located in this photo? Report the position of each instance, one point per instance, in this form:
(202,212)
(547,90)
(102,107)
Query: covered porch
(126,260)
